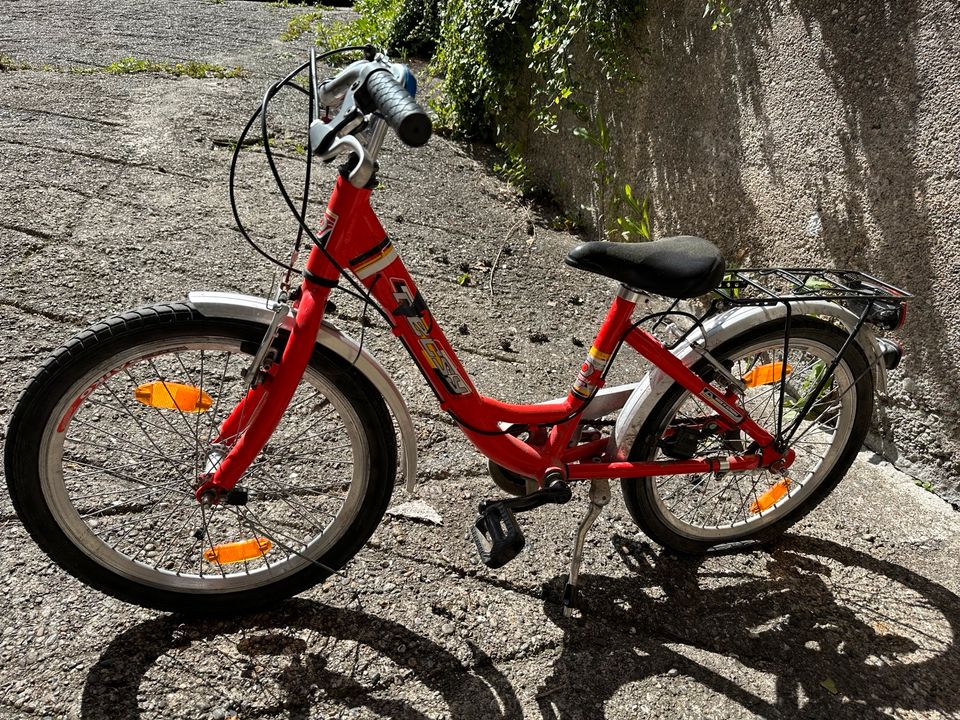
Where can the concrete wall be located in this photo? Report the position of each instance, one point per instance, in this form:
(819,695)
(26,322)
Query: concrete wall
(814,131)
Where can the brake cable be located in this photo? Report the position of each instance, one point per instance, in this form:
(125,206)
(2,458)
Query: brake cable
(358,290)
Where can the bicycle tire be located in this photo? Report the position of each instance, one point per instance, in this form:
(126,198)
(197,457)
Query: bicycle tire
(78,413)
(812,341)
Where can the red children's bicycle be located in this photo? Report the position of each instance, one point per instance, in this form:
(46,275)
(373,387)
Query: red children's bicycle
(224,452)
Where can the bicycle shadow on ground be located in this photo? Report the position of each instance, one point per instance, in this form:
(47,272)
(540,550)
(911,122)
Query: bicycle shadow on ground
(836,633)
(300,660)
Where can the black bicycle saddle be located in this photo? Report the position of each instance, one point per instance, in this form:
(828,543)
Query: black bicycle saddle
(676,267)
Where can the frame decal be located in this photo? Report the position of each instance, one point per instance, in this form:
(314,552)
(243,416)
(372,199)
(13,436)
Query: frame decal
(327,225)
(590,372)
(714,399)
(433,353)
(373,260)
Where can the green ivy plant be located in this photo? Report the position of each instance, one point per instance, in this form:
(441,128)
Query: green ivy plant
(514,170)
(504,62)
(480,54)
(561,28)
(630,213)
(598,135)
(488,48)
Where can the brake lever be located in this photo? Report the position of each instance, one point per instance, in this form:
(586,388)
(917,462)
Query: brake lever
(323,135)
(331,138)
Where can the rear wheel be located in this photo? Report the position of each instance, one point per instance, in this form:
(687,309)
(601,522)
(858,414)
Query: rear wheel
(102,465)
(691,513)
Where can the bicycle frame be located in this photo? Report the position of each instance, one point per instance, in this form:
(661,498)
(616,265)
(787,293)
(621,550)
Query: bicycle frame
(353,237)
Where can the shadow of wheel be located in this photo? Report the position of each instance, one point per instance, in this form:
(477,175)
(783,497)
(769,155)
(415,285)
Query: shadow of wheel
(835,631)
(302,660)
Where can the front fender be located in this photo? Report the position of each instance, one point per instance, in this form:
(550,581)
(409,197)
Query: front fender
(260,310)
(717,330)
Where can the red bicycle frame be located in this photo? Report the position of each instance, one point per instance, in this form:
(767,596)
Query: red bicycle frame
(353,237)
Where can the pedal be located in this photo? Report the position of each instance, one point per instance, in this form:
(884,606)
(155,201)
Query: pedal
(497,535)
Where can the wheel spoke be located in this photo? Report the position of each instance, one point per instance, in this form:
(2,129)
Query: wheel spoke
(724,506)
(123,475)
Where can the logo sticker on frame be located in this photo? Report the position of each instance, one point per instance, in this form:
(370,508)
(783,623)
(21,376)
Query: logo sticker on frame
(327,225)
(373,260)
(433,353)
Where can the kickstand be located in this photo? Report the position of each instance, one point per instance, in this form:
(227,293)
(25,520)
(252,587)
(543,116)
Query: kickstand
(599,497)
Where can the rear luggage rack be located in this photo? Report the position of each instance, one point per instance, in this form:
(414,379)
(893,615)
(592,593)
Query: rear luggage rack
(771,286)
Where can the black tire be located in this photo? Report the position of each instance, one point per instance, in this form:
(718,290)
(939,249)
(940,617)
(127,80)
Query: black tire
(657,504)
(78,412)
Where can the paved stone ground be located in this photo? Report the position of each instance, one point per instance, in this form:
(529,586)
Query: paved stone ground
(113,194)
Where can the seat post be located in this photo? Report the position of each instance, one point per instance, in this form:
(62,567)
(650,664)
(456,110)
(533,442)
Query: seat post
(612,331)
(630,295)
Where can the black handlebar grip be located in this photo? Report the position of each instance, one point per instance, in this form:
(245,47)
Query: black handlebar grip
(399,109)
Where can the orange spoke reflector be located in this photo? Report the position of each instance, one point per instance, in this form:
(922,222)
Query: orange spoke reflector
(765,374)
(771,496)
(173,396)
(238,551)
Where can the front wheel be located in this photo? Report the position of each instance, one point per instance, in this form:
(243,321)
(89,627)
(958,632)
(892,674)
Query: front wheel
(107,445)
(691,513)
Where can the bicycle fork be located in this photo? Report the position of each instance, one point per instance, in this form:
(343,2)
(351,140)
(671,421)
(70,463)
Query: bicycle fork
(251,423)
(254,419)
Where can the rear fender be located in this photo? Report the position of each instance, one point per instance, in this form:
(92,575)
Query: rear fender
(235,306)
(718,330)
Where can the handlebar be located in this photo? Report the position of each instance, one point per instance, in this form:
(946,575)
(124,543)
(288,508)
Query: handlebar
(375,89)
(372,94)
(332,91)
(382,93)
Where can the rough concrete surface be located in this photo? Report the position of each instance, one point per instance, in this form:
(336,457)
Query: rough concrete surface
(113,194)
(811,133)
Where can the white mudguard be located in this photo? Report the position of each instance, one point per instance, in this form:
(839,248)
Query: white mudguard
(260,310)
(718,330)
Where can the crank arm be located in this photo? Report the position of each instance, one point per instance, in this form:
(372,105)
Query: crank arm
(557,493)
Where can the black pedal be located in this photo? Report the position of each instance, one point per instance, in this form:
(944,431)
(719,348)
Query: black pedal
(497,535)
